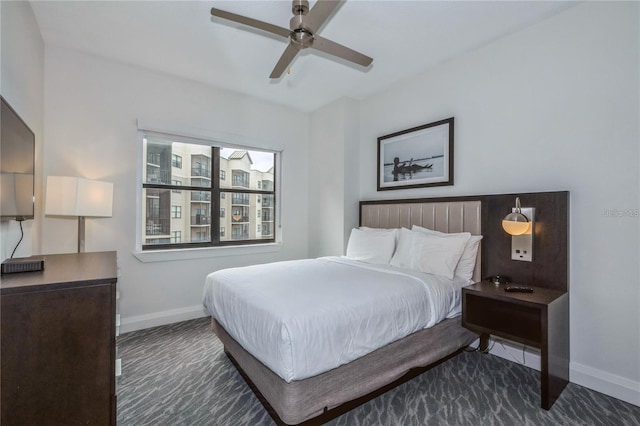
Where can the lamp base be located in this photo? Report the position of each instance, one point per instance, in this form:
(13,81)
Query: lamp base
(81,234)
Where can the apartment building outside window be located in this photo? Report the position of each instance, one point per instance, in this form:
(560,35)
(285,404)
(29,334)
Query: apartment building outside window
(176,212)
(176,161)
(179,201)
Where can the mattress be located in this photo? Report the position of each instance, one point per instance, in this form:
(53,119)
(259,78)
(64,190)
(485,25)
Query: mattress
(305,317)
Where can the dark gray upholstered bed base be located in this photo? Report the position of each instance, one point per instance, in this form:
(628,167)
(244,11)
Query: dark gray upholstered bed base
(306,399)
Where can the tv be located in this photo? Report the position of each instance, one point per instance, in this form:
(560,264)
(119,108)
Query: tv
(17,166)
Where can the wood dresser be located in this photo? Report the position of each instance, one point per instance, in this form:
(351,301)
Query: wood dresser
(58,342)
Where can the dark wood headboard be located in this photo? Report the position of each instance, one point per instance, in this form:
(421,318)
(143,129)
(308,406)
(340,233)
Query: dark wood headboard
(550,266)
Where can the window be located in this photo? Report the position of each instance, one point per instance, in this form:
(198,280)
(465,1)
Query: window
(177,183)
(176,212)
(189,209)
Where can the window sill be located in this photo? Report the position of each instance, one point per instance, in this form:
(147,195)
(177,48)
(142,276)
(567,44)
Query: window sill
(148,256)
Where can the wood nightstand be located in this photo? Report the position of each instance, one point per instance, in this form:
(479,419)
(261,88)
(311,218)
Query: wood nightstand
(539,319)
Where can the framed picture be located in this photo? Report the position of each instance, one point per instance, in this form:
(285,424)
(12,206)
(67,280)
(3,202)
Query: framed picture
(417,157)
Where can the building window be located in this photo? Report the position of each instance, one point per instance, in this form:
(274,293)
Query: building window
(179,211)
(176,212)
(176,161)
(177,182)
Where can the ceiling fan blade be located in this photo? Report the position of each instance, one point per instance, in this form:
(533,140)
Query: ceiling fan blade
(340,51)
(319,14)
(274,29)
(289,53)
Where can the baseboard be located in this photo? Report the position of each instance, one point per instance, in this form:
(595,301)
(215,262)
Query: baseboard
(600,381)
(156,319)
(609,384)
(513,352)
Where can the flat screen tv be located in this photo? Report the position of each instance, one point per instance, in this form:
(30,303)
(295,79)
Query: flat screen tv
(17,158)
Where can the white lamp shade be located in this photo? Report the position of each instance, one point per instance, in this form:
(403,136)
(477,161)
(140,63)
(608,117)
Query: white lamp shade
(73,196)
(515,228)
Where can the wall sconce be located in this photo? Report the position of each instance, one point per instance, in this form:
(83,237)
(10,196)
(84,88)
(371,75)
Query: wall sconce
(519,224)
(73,196)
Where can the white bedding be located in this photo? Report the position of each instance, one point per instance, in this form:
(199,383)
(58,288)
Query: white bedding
(302,318)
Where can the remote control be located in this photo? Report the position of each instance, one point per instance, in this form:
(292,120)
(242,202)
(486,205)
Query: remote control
(518,289)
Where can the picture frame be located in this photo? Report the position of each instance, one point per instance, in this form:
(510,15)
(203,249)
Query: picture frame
(416,158)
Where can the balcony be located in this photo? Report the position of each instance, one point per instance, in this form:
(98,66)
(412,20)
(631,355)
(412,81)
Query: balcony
(200,220)
(240,199)
(201,196)
(267,230)
(154,159)
(201,172)
(158,176)
(157,227)
(240,178)
(239,219)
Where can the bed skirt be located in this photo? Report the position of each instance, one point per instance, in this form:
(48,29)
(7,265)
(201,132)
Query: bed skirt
(301,400)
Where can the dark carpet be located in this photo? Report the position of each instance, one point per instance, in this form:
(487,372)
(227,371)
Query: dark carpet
(179,375)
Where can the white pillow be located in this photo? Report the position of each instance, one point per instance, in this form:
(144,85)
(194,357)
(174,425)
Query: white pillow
(395,231)
(435,254)
(467,263)
(372,245)
(403,256)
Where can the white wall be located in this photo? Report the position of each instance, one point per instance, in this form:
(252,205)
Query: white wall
(555,107)
(333,176)
(91,108)
(22,85)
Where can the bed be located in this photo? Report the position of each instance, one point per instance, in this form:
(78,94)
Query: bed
(304,376)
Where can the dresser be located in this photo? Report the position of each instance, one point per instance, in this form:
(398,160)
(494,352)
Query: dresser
(57,334)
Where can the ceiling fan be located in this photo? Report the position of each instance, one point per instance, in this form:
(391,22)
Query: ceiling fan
(302,33)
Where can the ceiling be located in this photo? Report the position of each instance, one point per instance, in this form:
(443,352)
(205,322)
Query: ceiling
(181,38)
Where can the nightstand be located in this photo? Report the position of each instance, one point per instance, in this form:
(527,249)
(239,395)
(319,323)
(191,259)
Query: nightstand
(539,319)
